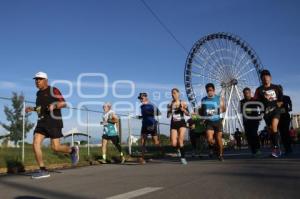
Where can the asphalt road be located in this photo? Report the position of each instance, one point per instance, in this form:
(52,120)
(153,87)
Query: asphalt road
(240,176)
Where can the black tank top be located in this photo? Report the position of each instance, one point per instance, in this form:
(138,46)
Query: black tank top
(177,113)
(43,99)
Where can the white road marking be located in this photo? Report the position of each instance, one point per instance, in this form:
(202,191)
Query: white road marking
(135,193)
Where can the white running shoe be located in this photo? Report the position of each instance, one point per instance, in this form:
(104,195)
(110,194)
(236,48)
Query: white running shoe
(183,161)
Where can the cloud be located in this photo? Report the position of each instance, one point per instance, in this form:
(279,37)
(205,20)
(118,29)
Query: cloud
(8,85)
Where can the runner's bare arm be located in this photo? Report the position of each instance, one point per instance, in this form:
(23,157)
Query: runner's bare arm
(222,105)
(280,98)
(114,118)
(169,112)
(184,108)
(29,109)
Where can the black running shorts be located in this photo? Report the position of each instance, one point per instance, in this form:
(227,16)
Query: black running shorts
(52,133)
(176,125)
(271,115)
(149,130)
(216,126)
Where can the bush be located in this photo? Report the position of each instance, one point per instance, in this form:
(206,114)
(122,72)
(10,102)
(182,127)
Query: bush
(14,165)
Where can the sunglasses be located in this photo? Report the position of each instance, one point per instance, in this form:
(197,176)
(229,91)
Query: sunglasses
(37,79)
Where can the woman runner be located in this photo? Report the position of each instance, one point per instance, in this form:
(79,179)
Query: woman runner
(177,109)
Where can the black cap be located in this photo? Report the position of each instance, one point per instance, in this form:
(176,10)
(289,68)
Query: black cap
(142,95)
(264,72)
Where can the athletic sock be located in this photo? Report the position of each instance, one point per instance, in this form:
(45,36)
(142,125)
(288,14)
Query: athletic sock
(104,156)
(182,152)
(275,139)
(121,154)
(43,168)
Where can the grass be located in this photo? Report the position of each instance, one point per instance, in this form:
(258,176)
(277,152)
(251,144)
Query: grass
(11,157)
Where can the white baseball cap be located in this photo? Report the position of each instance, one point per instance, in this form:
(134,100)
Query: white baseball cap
(41,75)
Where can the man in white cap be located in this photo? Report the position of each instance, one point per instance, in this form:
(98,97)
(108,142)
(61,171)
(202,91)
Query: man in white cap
(49,101)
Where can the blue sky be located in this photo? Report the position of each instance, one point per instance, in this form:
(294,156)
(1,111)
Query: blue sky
(124,41)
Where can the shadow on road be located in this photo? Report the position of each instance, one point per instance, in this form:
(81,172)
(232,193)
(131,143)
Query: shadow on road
(28,197)
(39,191)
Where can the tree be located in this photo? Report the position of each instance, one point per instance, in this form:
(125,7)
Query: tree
(15,119)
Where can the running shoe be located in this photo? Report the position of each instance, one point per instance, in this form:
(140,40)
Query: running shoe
(279,152)
(276,153)
(221,158)
(75,155)
(142,161)
(273,153)
(183,161)
(40,174)
(123,159)
(102,161)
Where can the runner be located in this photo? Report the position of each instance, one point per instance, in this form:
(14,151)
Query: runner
(49,101)
(251,118)
(110,122)
(196,130)
(272,98)
(177,109)
(149,123)
(211,107)
(284,123)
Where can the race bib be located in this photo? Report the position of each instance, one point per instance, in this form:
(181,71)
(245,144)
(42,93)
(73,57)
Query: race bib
(211,112)
(270,95)
(177,117)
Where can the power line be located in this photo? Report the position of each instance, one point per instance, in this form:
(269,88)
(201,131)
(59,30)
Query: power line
(163,25)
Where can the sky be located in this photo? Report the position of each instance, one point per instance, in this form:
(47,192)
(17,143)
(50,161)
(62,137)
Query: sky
(129,51)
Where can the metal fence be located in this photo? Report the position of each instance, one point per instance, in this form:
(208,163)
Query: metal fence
(80,122)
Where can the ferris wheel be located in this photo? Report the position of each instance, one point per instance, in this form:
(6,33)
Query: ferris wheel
(230,64)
